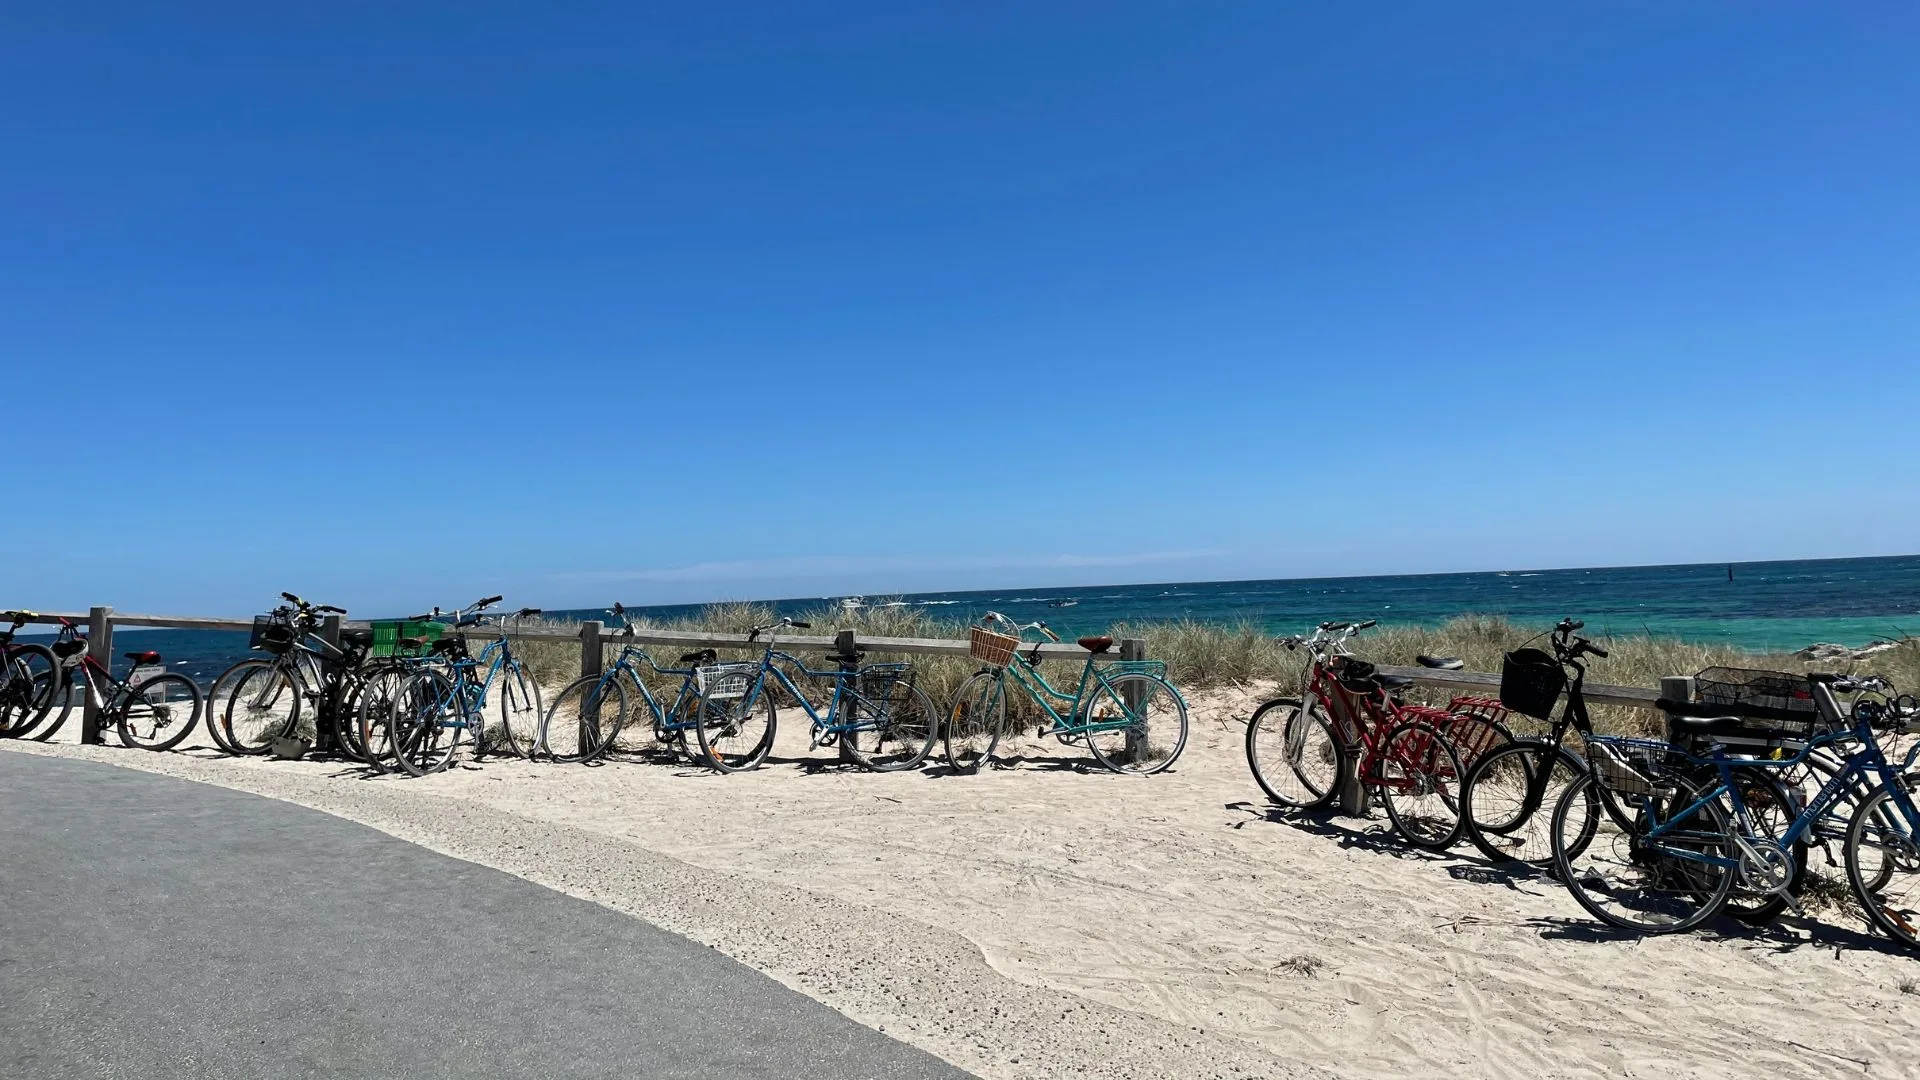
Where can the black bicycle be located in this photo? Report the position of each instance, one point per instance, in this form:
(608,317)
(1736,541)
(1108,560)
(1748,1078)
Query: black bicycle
(29,675)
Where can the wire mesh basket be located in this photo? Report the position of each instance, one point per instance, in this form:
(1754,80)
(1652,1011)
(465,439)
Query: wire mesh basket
(1628,766)
(388,633)
(882,683)
(272,633)
(1531,682)
(992,647)
(722,682)
(1759,693)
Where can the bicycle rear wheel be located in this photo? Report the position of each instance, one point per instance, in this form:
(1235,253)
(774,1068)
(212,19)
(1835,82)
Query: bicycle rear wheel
(585,719)
(1155,724)
(1629,878)
(1419,782)
(373,715)
(897,736)
(976,722)
(28,675)
(158,713)
(1295,756)
(1507,818)
(264,705)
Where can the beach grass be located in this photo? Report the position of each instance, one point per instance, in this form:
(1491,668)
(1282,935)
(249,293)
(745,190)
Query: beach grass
(1204,655)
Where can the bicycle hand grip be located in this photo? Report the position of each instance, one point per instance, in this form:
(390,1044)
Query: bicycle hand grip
(1596,650)
(490,601)
(801,625)
(331,608)
(528,612)
(292,599)
(1364,625)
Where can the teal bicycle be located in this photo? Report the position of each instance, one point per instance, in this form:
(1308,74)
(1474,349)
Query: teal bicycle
(1124,712)
(876,715)
(589,713)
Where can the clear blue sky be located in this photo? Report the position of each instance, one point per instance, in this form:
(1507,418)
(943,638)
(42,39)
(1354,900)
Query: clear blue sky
(392,304)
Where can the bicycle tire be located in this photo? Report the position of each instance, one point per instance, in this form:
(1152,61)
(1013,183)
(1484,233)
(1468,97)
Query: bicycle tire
(1774,810)
(1494,811)
(1303,754)
(373,714)
(1894,908)
(150,717)
(26,688)
(265,705)
(911,722)
(1696,890)
(59,707)
(1419,782)
(976,721)
(724,727)
(519,708)
(589,713)
(426,723)
(1146,746)
(221,690)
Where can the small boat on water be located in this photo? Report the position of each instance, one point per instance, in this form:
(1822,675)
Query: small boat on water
(1063,603)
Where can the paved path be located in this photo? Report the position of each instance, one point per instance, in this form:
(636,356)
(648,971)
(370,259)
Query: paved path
(152,928)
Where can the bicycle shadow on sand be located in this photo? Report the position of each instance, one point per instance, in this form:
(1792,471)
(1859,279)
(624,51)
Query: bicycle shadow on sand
(1352,833)
(1789,933)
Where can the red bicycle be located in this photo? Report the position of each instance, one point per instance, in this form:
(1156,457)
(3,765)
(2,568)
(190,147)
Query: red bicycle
(155,713)
(1351,721)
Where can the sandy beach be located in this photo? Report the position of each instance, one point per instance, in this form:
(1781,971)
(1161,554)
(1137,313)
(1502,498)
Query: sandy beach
(1051,919)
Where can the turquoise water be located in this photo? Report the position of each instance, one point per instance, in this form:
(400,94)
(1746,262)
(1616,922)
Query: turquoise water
(1775,605)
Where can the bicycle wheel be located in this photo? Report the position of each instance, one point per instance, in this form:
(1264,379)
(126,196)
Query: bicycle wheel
(1295,756)
(264,705)
(1510,820)
(735,734)
(1883,845)
(1633,880)
(519,708)
(1772,809)
(1419,782)
(899,733)
(219,694)
(27,681)
(1154,719)
(425,725)
(373,715)
(976,722)
(158,713)
(585,719)
(57,687)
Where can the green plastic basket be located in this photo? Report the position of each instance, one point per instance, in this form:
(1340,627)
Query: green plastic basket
(388,632)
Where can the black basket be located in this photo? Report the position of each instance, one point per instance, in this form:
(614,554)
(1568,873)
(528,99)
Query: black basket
(272,633)
(1531,682)
(1770,695)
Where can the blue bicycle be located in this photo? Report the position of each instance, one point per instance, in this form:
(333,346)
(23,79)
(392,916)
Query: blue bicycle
(428,707)
(590,713)
(876,715)
(1682,831)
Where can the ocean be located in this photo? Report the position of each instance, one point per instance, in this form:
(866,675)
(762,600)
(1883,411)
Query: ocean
(1767,605)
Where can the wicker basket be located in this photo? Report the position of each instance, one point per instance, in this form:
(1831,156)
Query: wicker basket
(991,647)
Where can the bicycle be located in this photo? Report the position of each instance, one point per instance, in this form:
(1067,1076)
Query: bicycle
(265,699)
(1124,712)
(876,715)
(1684,837)
(1351,722)
(443,702)
(588,714)
(29,676)
(155,713)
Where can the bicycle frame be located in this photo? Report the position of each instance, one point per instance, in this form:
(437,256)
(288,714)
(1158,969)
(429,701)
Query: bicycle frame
(845,696)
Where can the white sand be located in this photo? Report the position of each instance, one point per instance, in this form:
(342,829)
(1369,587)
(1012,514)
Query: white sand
(1173,896)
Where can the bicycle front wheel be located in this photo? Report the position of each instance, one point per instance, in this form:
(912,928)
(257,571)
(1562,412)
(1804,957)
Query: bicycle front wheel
(976,722)
(263,705)
(159,713)
(1882,854)
(425,724)
(1420,784)
(1632,879)
(1294,754)
(519,709)
(897,734)
(585,719)
(28,680)
(1507,801)
(735,734)
(1149,724)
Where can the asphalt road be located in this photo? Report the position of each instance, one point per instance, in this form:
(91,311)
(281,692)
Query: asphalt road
(154,928)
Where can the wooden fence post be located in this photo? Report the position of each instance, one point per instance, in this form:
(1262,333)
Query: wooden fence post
(1133,649)
(592,659)
(325,726)
(1676,687)
(100,648)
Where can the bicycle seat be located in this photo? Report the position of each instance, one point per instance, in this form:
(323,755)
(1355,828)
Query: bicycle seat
(703,657)
(411,642)
(449,645)
(1392,682)
(1096,644)
(356,638)
(147,657)
(1444,663)
(845,659)
(1708,725)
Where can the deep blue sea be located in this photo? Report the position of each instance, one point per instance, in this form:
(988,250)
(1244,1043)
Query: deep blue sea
(1773,605)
